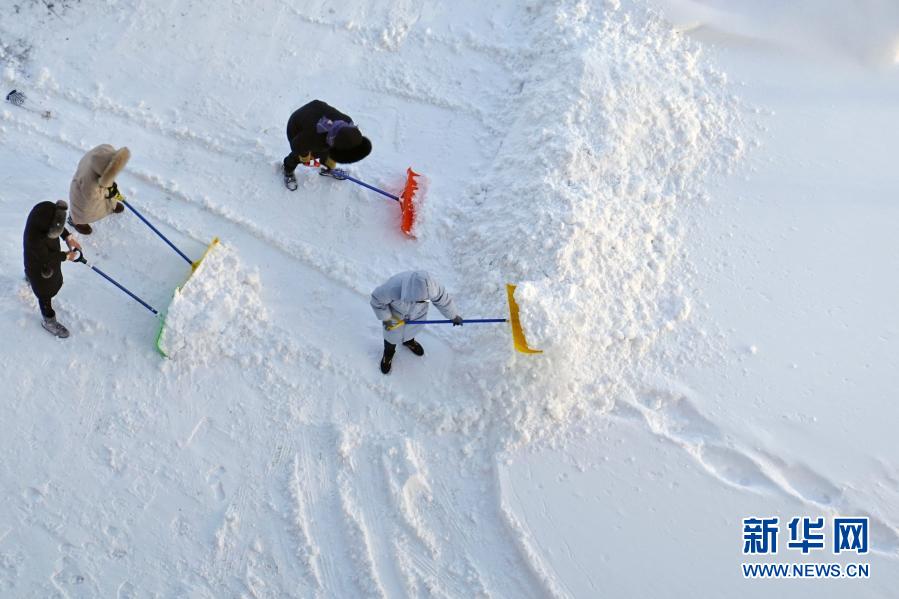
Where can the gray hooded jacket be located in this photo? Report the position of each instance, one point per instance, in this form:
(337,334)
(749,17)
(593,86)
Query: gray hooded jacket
(406,296)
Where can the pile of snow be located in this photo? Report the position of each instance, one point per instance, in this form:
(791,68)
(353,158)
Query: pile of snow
(618,123)
(215,311)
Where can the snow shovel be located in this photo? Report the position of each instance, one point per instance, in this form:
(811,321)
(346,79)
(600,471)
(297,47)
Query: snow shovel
(518,339)
(194,266)
(405,199)
(84,261)
(17,98)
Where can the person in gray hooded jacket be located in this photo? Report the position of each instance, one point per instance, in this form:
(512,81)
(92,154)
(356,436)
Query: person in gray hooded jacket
(406,296)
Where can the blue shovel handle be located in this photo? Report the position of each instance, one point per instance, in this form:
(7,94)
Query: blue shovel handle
(158,232)
(464,321)
(84,261)
(340,174)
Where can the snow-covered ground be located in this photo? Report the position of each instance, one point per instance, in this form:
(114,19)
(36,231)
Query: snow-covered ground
(697,204)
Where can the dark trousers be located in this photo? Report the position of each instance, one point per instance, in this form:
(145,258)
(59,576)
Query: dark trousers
(46,306)
(45,302)
(290,163)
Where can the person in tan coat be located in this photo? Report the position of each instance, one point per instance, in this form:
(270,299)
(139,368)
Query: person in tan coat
(94,193)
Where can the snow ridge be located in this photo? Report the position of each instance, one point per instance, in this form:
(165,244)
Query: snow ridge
(580,207)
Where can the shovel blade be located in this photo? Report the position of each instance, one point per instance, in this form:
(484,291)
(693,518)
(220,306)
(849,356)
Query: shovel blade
(518,339)
(407,203)
(209,248)
(193,268)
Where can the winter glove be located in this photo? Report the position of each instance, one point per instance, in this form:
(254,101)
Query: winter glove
(457,321)
(329,163)
(305,158)
(113,192)
(390,324)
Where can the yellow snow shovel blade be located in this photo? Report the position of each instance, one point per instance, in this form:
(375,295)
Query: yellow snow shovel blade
(518,339)
(193,268)
(196,265)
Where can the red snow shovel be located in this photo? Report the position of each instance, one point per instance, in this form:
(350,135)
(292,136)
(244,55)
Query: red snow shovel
(405,199)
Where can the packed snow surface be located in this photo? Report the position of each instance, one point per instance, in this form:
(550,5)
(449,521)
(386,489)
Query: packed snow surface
(581,149)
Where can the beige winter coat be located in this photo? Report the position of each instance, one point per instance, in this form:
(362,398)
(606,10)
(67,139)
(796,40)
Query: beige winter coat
(90,186)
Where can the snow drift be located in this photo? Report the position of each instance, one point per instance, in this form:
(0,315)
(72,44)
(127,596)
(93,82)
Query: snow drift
(581,206)
(211,314)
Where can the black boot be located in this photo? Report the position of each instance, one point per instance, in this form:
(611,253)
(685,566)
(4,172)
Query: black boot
(290,181)
(387,358)
(415,347)
(83,229)
(55,328)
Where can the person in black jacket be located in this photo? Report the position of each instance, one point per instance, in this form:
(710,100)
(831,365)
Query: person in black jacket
(43,258)
(319,131)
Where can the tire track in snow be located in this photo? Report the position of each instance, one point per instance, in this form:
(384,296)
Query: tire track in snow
(420,550)
(323,528)
(365,570)
(364,487)
(306,550)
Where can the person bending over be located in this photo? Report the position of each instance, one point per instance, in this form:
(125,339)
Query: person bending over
(319,131)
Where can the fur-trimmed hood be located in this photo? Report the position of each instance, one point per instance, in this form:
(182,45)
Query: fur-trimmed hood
(107,162)
(89,194)
(40,219)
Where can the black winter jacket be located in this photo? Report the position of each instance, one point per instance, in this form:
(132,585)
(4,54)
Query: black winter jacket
(43,258)
(301,129)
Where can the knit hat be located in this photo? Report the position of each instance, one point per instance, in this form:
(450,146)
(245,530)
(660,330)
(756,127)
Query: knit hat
(354,153)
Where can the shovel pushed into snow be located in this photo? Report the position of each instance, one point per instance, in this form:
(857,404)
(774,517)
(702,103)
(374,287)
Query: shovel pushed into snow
(194,265)
(405,199)
(518,339)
